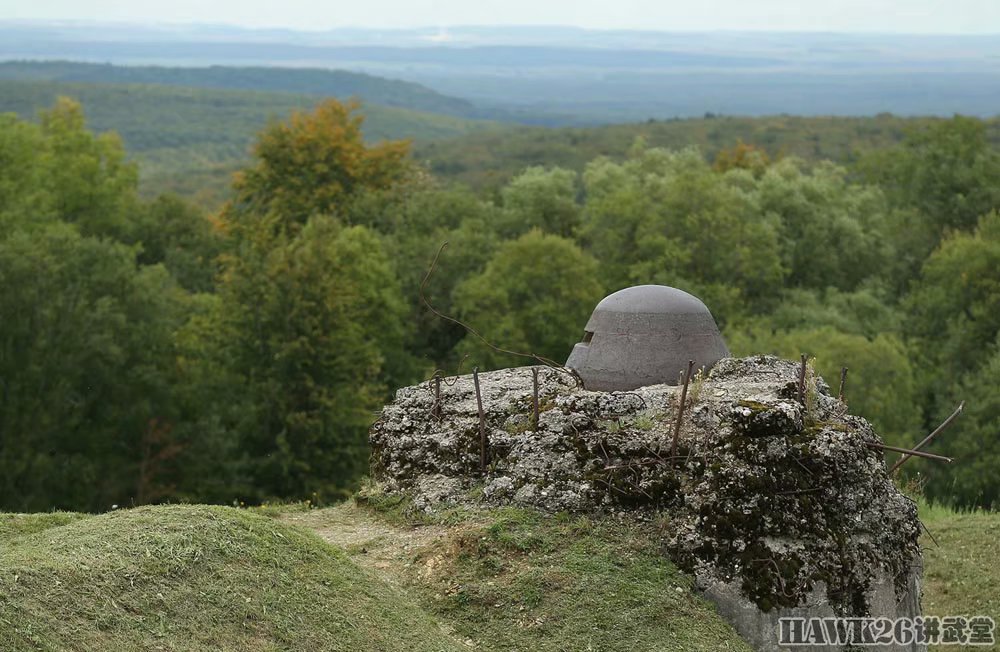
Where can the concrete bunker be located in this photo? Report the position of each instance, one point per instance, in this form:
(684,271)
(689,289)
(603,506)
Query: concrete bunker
(778,506)
(645,335)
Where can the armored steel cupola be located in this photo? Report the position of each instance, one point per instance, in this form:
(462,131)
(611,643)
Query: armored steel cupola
(645,335)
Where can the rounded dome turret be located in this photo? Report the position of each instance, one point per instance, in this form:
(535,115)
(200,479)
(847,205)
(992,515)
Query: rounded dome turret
(645,335)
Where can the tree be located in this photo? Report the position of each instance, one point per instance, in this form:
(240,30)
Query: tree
(832,232)
(178,235)
(313,164)
(90,180)
(59,171)
(305,325)
(942,177)
(22,198)
(89,385)
(954,321)
(415,223)
(86,363)
(310,315)
(534,296)
(742,157)
(541,199)
(867,311)
(946,171)
(954,307)
(971,481)
(666,217)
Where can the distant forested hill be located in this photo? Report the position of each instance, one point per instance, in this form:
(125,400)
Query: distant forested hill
(557,77)
(329,83)
(191,139)
(488,159)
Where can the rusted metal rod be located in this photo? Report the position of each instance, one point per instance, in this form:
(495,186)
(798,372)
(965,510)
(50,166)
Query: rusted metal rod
(843,383)
(655,462)
(928,438)
(534,394)
(483,444)
(436,410)
(796,492)
(680,413)
(896,449)
(802,381)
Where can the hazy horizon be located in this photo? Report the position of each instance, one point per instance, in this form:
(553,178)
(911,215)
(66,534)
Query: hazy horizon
(165,24)
(916,17)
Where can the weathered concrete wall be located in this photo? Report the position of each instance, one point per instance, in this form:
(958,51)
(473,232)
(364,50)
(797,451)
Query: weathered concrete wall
(762,628)
(776,508)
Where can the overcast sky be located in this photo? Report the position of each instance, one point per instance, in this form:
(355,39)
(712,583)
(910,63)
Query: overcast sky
(916,16)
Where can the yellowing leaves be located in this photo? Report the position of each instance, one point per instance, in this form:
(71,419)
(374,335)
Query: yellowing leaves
(313,164)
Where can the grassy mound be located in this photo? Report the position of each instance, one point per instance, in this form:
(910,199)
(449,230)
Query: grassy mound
(371,576)
(514,579)
(193,578)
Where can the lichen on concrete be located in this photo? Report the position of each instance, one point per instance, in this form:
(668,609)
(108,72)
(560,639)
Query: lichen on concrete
(782,503)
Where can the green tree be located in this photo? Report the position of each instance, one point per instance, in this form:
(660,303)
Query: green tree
(314,164)
(90,413)
(954,308)
(23,200)
(178,235)
(304,324)
(954,322)
(867,311)
(59,171)
(88,177)
(540,199)
(85,369)
(666,217)
(971,481)
(942,177)
(310,314)
(833,232)
(947,171)
(415,221)
(534,296)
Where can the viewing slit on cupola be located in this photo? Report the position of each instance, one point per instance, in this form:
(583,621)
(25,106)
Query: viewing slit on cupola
(645,335)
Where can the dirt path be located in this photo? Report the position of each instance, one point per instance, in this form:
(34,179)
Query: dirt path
(387,549)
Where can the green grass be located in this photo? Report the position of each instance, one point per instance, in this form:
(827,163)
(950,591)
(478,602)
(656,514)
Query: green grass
(377,576)
(514,579)
(12,525)
(528,582)
(961,574)
(193,578)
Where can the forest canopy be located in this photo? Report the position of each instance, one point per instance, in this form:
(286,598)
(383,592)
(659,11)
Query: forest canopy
(152,350)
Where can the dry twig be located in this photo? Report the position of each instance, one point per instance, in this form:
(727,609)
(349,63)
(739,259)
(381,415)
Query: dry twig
(928,438)
(896,449)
